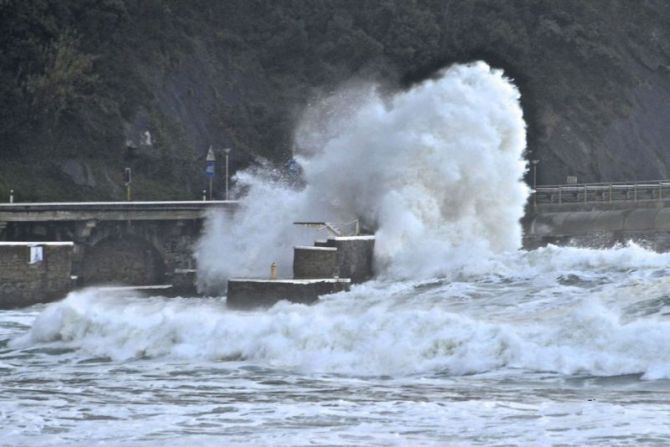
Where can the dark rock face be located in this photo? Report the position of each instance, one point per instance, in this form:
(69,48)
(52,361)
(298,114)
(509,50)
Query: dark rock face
(86,80)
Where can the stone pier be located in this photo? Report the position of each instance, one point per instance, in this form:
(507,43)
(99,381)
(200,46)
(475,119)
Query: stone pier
(327,267)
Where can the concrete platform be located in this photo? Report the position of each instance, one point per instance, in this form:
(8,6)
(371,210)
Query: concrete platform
(249,293)
(183,282)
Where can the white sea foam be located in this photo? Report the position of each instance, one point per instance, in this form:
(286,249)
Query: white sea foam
(477,340)
(435,171)
(387,328)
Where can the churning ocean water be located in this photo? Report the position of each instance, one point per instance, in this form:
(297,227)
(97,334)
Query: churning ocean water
(462,338)
(557,346)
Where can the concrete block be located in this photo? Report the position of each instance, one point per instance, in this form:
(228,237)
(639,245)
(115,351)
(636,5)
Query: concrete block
(315,262)
(249,293)
(184,282)
(355,255)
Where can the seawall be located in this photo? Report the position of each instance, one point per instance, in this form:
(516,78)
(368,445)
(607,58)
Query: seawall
(599,224)
(34,272)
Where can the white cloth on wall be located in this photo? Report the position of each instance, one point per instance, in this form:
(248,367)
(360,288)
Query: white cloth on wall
(36,254)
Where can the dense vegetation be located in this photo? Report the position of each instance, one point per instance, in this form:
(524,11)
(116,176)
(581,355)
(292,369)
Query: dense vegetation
(82,80)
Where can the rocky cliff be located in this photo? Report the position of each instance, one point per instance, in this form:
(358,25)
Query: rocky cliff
(88,87)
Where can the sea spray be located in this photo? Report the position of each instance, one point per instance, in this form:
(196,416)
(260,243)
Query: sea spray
(435,171)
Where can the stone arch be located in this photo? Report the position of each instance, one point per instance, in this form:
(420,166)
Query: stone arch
(127,259)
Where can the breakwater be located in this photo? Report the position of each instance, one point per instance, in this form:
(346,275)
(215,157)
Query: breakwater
(328,267)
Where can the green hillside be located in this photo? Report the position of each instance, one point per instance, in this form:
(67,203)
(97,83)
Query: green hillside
(82,81)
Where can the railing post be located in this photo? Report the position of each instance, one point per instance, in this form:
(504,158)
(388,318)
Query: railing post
(610,193)
(660,191)
(635,192)
(586,193)
(560,195)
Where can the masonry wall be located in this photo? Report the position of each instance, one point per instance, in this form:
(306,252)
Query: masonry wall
(315,262)
(124,260)
(24,284)
(599,228)
(355,256)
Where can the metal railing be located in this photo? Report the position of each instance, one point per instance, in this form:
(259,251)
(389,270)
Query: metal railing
(645,191)
(336,229)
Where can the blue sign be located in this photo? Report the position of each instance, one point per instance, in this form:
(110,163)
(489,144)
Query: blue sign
(210,169)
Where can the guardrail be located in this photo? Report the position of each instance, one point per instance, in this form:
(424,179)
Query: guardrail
(646,191)
(109,206)
(73,211)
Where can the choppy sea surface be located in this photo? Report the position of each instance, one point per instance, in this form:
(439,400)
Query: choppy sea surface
(557,346)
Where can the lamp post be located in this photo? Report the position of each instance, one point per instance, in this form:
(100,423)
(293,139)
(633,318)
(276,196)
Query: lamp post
(227,151)
(535,162)
(211,160)
(127,180)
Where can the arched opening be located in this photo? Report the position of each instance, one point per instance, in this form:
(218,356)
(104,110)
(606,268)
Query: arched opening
(122,260)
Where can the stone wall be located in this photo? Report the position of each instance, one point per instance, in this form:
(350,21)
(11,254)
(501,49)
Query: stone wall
(23,283)
(123,260)
(355,257)
(117,252)
(315,262)
(599,228)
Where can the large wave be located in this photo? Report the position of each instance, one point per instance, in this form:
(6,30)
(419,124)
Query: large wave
(435,171)
(557,310)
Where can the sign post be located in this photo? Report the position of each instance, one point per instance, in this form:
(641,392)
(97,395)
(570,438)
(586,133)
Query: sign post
(535,162)
(227,151)
(209,170)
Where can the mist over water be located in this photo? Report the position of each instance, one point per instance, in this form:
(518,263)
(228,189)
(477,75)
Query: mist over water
(434,171)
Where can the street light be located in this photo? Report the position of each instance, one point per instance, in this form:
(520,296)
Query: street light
(227,151)
(211,160)
(127,180)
